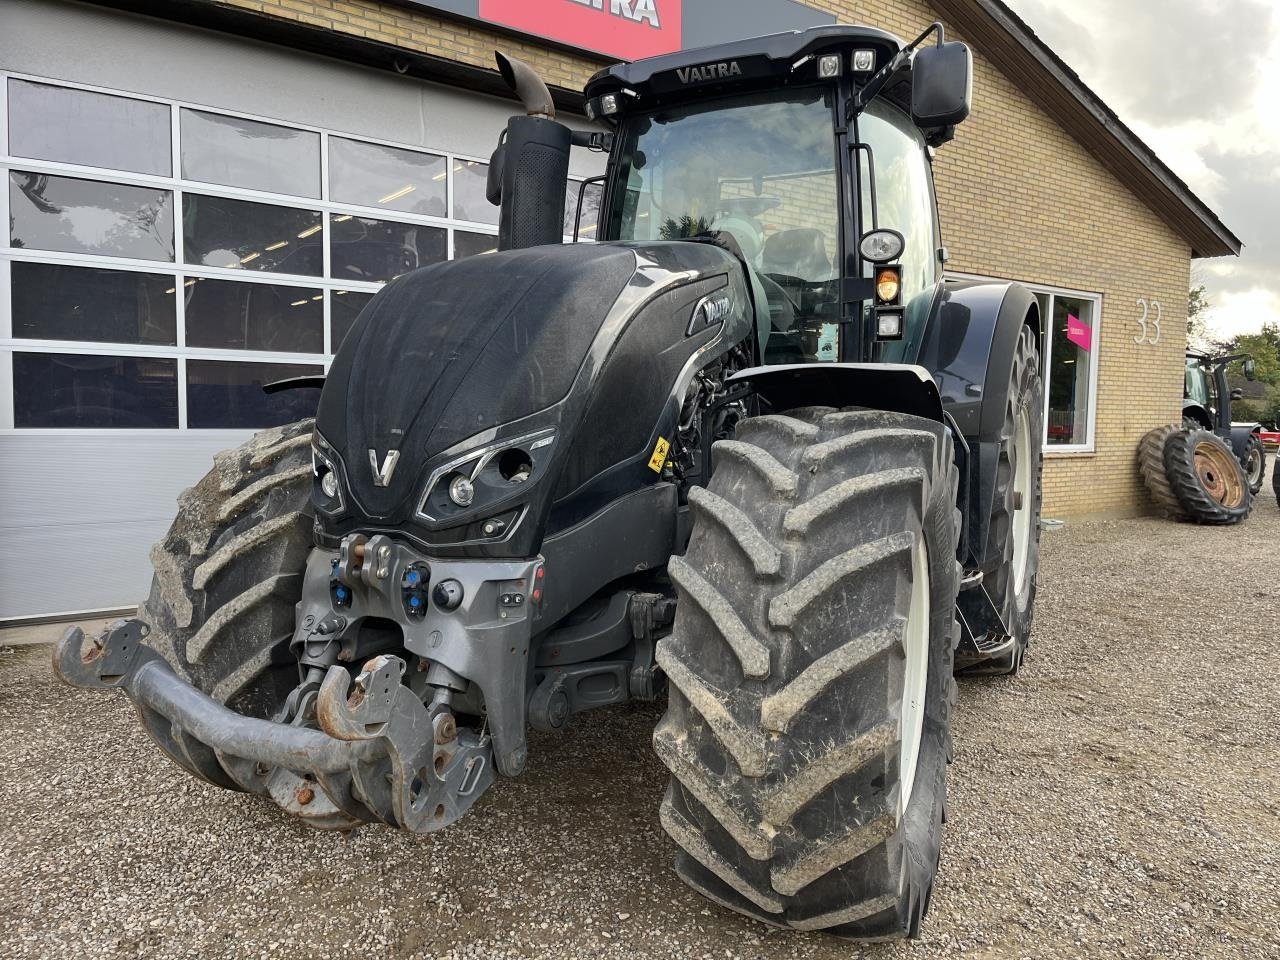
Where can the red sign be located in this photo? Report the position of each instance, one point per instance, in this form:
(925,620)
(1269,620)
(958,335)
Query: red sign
(629,29)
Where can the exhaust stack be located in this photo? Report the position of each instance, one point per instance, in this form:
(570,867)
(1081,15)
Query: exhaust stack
(529,171)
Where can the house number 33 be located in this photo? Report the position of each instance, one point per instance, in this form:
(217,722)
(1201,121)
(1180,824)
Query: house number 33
(1147,322)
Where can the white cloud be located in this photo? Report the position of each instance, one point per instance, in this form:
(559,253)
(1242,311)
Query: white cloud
(1233,314)
(1198,81)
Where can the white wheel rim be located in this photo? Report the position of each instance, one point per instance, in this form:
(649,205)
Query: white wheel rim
(1023,507)
(915,675)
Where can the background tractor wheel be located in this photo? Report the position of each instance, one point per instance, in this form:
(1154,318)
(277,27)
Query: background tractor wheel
(1151,465)
(1255,467)
(1206,478)
(810,669)
(1275,476)
(1013,538)
(229,572)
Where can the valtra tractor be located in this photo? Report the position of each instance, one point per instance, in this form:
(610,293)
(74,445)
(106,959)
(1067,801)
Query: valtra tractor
(749,452)
(1209,468)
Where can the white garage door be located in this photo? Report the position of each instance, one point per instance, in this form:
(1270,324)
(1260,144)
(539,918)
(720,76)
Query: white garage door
(190,216)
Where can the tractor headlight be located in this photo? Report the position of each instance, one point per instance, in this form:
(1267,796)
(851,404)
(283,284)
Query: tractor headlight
(889,325)
(829,66)
(881,246)
(324,470)
(462,491)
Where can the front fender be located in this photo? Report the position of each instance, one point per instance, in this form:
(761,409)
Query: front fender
(900,387)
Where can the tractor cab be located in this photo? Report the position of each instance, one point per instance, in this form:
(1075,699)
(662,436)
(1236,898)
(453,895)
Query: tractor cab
(806,155)
(1207,400)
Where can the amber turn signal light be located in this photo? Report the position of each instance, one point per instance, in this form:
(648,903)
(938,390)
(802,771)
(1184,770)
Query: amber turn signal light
(888,285)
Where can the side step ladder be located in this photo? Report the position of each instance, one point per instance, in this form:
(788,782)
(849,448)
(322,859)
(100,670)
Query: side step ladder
(983,633)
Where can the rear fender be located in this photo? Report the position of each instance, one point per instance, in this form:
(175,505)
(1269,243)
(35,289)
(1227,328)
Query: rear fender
(1241,435)
(968,347)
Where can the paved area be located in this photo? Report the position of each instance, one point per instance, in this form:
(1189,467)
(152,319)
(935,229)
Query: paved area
(1119,799)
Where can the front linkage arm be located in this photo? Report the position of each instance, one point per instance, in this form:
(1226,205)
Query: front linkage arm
(381,753)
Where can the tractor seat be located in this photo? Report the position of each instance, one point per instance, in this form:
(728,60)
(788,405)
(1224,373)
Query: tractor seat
(797,253)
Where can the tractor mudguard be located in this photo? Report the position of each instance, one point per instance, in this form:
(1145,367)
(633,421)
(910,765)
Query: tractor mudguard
(1240,436)
(968,347)
(896,387)
(1197,413)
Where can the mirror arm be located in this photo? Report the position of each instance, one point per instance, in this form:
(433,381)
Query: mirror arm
(871,89)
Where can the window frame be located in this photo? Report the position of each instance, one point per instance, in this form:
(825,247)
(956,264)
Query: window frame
(1046,349)
(180,271)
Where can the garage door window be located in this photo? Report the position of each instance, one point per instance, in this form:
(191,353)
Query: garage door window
(165,259)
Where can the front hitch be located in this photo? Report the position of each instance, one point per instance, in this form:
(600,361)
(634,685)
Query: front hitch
(380,755)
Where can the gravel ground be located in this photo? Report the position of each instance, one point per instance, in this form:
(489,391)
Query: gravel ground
(1120,799)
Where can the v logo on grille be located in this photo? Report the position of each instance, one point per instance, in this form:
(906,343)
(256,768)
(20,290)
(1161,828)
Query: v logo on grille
(382,475)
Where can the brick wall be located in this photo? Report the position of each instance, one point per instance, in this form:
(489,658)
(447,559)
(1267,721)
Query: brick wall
(1019,198)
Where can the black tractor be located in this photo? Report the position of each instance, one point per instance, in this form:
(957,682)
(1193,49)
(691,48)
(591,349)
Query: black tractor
(1206,405)
(1209,468)
(750,453)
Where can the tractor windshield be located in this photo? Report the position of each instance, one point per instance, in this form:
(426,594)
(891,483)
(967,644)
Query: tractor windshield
(760,173)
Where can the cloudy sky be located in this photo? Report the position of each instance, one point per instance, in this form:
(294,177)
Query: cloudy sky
(1198,81)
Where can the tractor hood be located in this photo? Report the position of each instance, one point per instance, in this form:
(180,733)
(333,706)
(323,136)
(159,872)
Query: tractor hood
(454,356)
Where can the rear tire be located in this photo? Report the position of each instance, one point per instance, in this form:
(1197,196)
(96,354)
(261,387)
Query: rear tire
(1151,466)
(1206,478)
(1275,476)
(1013,537)
(229,572)
(814,636)
(1255,467)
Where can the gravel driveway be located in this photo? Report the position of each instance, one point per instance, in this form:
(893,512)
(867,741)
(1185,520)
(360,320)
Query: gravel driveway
(1120,799)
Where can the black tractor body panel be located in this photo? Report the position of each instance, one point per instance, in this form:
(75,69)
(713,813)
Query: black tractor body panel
(968,346)
(544,375)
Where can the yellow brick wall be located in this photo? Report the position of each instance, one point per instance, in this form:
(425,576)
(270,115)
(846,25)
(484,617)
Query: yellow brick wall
(1018,198)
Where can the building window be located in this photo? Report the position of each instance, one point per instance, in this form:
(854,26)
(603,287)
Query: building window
(165,259)
(1069,349)
(1069,364)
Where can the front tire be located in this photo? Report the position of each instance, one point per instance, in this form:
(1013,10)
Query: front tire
(228,574)
(810,667)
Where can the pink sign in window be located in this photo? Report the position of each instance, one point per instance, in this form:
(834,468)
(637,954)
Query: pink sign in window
(1079,332)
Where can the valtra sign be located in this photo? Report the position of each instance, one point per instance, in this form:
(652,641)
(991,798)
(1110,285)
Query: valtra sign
(629,29)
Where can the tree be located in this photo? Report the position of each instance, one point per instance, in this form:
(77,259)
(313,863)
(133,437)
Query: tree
(1197,309)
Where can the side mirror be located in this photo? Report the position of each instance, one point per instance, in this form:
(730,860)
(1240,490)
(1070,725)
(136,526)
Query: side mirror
(1251,369)
(1237,393)
(941,85)
(498,161)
